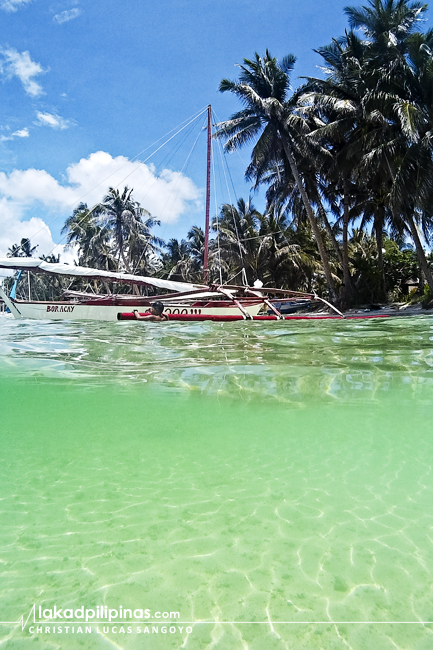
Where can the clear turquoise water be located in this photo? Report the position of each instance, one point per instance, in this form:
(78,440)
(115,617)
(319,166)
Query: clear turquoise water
(272,483)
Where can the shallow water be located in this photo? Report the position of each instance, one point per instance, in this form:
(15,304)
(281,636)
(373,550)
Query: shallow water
(272,483)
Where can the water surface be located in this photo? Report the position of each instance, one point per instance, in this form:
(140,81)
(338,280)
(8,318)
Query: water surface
(271,482)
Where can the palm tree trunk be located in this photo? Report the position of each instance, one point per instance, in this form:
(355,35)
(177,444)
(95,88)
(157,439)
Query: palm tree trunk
(329,230)
(348,288)
(421,283)
(311,217)
(135,290)
(378,228)
(125,262)
(421,255)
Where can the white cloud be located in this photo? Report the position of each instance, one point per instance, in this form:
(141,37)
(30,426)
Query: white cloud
(13,5)
(24,187)
(21,133)
(65,16)
(19,64)
(35,229)
(167,195)
(52,120)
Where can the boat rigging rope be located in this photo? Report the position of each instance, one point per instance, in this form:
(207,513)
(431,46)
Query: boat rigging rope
(216,216)
(165,161)
(179,128)
(173,195)
(233,276)
(139,164)
(230,203)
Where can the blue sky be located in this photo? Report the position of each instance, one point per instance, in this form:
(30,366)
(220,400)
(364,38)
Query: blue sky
(86,86)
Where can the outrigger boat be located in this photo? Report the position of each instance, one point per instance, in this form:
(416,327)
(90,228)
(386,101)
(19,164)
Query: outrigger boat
(185,302)
(184,299)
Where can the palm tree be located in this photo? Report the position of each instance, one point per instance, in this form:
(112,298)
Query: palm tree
(283,196)
(283,260)
(270,117)
(368,116)
(93,240)
(336,105)
(123,217)
(411,194)
(176,256)
(238,238)
(24,249)
(176,250)
(387,24)
(400,75)
(143,246)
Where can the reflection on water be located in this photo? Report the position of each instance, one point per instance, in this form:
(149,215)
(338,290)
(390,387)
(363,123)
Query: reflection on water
(288,362)
(274,481)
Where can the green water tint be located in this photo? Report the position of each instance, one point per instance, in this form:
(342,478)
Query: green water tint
(233,474)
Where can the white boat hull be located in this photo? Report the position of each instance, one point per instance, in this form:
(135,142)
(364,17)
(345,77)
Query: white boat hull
(77,311)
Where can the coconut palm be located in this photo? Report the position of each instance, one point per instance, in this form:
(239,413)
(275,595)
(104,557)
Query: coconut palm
(176,250)
(143,246)
(188,256)
(92,239)
(350,131)
(238,238)
(287,258)
(387,24)
(123,217)
(400,76)
(24,249)
(195,239)
(283,196)
(177,254)
(411,194)
(353,102)
(270,118)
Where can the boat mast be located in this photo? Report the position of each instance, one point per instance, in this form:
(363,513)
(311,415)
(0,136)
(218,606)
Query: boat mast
(206,232)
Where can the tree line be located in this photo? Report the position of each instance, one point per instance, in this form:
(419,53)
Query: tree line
(346,164)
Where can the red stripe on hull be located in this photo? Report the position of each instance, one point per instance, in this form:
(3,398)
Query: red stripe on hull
(238,317)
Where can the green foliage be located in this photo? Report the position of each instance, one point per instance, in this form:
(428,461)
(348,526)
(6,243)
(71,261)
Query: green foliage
(400,266)
(427,298)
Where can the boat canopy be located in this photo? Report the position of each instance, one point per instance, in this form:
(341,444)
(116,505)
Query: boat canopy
(39,266)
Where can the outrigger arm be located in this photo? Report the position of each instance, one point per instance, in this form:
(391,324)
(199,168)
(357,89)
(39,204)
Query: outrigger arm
(329,305)
(10,304)
(272,307)
(277,313)
(226,293)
